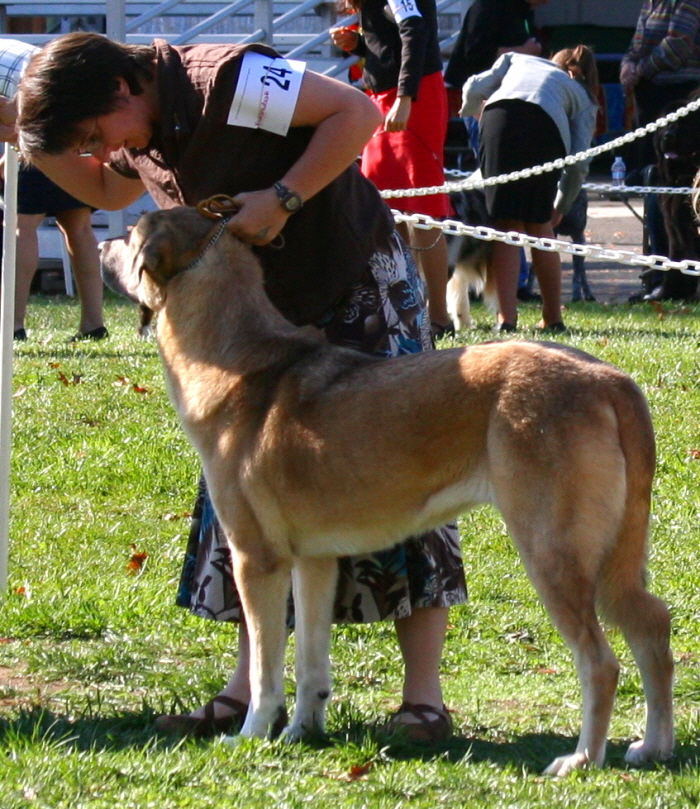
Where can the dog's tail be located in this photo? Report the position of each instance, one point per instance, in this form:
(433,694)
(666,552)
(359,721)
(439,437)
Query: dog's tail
(625,567)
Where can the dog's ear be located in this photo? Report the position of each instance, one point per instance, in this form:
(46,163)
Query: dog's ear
(156,266)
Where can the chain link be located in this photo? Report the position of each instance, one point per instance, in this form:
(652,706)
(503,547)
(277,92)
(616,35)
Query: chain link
(454,228)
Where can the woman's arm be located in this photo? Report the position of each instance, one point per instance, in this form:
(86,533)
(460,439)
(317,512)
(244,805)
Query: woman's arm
(90,180)
(343,120)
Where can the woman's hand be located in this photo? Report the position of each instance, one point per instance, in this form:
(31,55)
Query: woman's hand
(260,218)
(8,117)
(344,37)
(628,76)
(397,117)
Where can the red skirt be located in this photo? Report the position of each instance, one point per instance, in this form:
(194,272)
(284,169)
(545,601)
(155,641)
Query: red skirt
(412,158)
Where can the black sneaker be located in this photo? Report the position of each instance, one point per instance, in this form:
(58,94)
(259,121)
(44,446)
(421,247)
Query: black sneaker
(96,334)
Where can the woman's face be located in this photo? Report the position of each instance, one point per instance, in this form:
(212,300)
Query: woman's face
(129,126)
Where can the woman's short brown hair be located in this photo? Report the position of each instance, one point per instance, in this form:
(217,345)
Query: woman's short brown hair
(74,78)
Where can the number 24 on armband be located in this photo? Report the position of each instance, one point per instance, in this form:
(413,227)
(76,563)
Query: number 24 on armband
(276,75)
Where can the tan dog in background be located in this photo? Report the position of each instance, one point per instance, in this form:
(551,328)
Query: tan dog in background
(312,451)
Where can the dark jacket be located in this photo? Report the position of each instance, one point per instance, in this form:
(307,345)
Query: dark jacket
(398,54)
(488,25)
(196,154)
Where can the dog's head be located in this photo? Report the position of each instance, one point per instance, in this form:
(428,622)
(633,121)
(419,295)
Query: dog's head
(160,246)
(677,147)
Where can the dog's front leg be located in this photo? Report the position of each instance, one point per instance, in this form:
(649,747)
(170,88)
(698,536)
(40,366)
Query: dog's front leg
(264,593)
(314,583)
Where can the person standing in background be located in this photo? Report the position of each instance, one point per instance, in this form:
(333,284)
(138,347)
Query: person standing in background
(490,28)
(532,111)
(38,197)
(662,64)
(402,71)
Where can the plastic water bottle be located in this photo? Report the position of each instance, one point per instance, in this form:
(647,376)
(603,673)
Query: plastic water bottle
(619,170)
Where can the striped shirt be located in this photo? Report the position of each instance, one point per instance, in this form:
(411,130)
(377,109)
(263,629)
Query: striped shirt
(666,42)
(14,55)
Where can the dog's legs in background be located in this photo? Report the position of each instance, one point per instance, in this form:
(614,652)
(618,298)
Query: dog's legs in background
(580,290)
(314,585)
(458,300)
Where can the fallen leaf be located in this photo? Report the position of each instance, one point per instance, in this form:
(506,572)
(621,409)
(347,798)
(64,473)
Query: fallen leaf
(138,389)
(137,560)
(357,771)
(694,454)
(172,517)
(77,379)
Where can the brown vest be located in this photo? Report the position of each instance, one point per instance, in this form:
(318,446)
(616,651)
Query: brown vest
(196,154)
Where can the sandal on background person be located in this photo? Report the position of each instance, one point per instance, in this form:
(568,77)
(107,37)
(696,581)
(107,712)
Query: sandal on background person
(433,725)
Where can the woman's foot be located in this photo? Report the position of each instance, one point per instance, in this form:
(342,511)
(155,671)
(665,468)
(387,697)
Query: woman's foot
(421,723)
(440,330)
(220,715)
(100,333)
(551,328)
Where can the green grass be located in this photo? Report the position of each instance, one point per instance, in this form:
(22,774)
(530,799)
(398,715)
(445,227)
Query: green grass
(90,652)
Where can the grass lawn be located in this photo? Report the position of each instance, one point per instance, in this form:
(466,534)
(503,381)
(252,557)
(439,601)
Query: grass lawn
(92,647)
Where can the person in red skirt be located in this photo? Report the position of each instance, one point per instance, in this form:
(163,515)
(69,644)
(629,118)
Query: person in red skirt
(402,71)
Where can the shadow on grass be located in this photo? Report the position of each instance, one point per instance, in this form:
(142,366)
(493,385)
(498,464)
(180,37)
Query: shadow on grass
(529,752)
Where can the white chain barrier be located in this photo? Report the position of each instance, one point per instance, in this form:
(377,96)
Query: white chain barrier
(454,228)
(579,157)
(609,188)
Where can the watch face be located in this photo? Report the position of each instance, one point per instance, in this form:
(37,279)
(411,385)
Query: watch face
(290,200)
(292,203)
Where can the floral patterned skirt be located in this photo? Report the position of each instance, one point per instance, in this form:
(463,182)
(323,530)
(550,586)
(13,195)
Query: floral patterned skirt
(383,314)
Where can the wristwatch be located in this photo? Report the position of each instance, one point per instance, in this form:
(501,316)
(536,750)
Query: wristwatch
(290,200)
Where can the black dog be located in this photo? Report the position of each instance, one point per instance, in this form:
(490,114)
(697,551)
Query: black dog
(677,148)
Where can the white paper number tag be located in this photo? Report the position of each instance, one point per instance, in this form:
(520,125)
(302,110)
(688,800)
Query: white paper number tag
(403,9)
(266,93)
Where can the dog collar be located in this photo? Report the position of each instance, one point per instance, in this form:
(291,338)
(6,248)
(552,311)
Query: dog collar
(221,227)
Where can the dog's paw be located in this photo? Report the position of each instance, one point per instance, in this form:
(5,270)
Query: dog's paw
(640,753)
(564,765)
(293,733)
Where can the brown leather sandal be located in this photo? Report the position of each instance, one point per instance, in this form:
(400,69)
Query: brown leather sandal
(202,727)
(434,724)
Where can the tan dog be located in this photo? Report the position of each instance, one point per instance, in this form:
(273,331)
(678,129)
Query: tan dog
(289,428)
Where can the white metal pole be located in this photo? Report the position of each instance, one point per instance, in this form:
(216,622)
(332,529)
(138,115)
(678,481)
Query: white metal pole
(7,312)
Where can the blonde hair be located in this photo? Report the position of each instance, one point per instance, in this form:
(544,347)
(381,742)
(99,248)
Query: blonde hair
(580,64)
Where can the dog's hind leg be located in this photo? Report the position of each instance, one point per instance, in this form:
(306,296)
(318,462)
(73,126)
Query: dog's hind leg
(314,584)
(570,600)
(562,527)
(645,623)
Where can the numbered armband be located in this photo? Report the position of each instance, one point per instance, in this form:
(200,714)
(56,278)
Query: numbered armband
(267,92)
(403,9)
